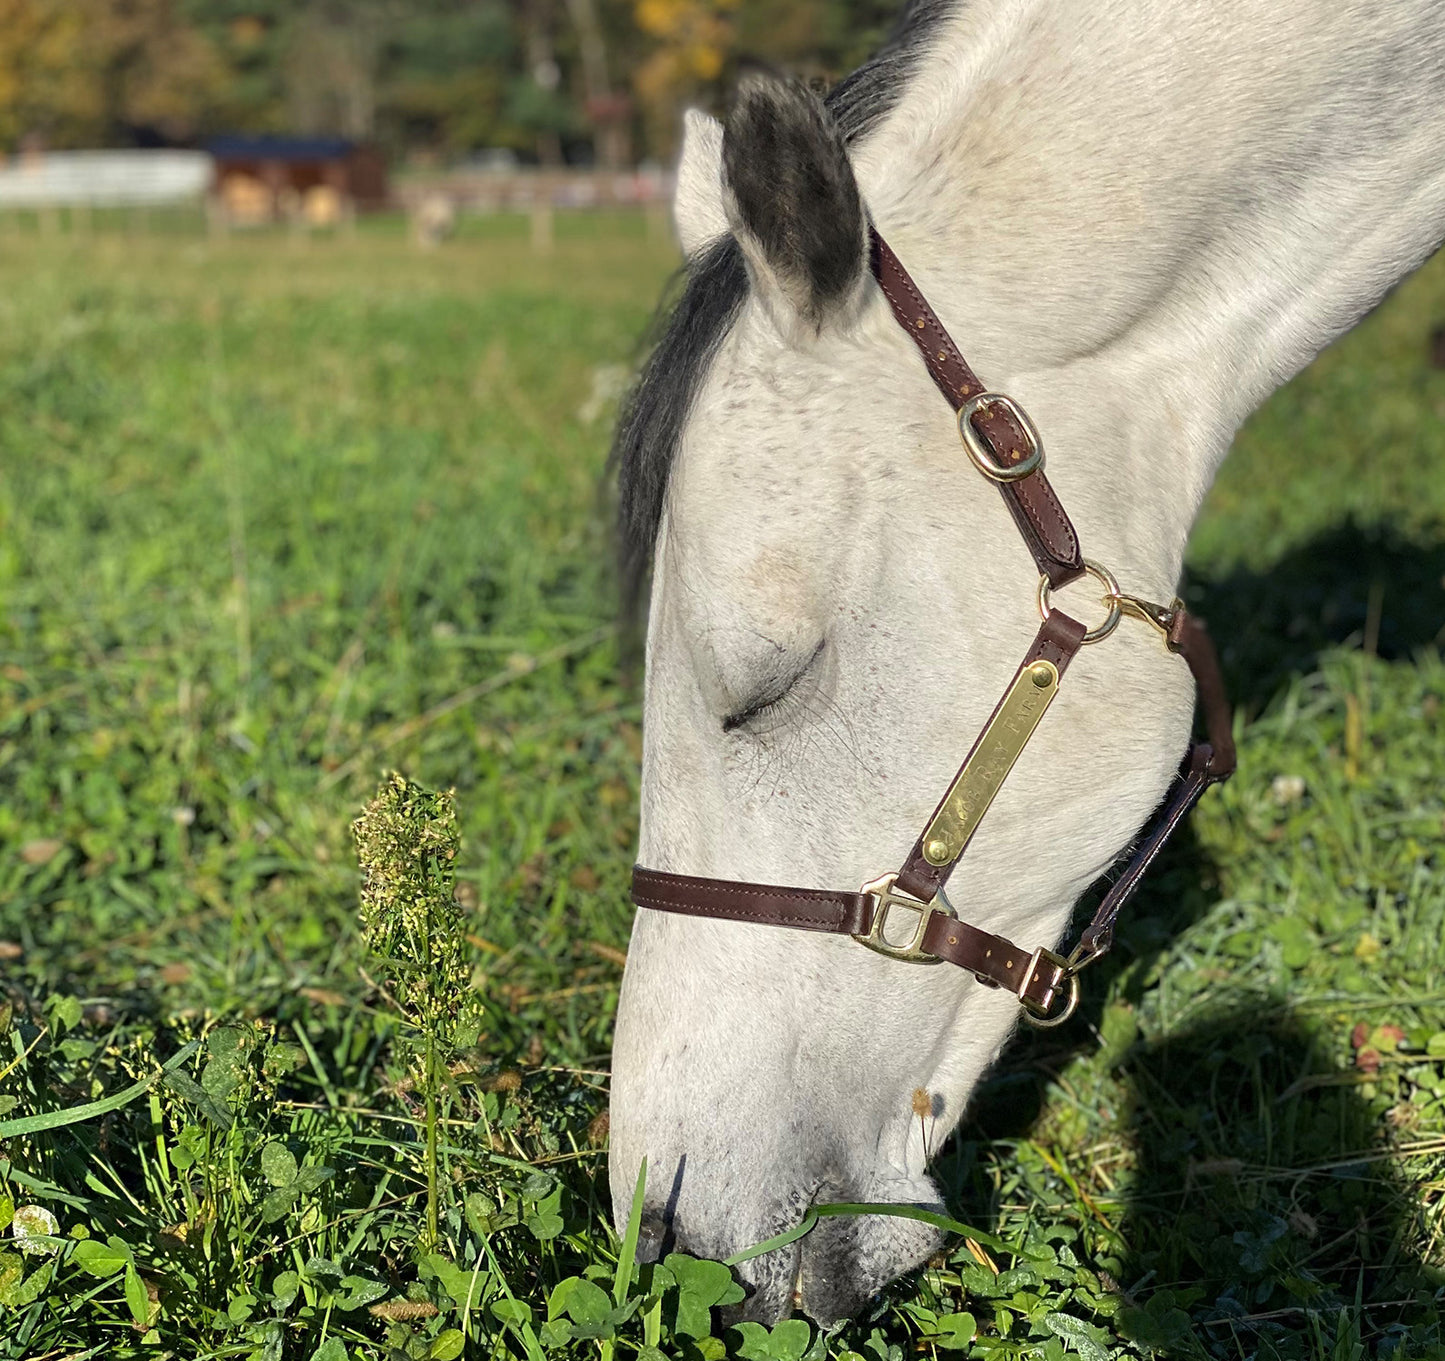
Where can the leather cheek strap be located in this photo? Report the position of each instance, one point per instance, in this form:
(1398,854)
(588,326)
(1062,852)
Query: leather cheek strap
(1190,639)
(1205,764)
(1031,500)
(1058,641)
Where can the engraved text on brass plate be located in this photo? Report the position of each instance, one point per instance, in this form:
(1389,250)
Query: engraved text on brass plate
(983,773)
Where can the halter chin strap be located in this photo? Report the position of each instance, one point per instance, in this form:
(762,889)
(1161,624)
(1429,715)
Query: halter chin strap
(1003,444)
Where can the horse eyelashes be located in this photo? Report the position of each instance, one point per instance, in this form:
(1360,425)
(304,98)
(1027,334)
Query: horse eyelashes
(772,696)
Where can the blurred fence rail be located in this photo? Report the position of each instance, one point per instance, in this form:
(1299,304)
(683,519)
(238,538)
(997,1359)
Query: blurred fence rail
(521,189)
(105,179)
(434,203)
(189,192)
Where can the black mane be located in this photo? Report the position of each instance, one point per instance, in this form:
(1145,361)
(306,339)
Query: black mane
(650,425)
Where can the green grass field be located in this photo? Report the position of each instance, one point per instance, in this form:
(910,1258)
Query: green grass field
(278,515)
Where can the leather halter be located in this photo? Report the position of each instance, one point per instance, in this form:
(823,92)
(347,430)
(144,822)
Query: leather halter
(1004,445)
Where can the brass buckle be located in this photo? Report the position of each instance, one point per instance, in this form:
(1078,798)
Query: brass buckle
(978,449)
(887,896)
(1042,1020)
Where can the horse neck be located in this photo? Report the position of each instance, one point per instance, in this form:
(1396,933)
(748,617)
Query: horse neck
(1141,218)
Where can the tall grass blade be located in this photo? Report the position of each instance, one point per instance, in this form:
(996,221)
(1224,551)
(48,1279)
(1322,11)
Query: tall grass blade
(779,1240)
(75,1115)
(817,1212)
(628,1256)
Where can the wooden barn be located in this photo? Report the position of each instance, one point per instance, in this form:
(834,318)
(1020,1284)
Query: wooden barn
(319,179)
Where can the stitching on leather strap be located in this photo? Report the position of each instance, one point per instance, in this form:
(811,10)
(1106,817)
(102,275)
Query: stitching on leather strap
(814,900)
(1050,502)
(944,339)
(692,909)
(797,895)
(1034,496)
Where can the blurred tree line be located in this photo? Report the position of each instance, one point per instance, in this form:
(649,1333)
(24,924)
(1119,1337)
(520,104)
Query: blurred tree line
(550,80)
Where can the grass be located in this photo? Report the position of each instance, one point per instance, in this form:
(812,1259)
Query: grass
(278,514)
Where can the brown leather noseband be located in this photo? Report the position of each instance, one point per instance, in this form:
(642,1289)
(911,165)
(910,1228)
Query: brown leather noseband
(1003,444)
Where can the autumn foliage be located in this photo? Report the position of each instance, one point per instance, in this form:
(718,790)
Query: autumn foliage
(547,79)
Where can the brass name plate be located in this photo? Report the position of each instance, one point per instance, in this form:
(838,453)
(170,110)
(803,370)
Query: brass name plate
(983,773)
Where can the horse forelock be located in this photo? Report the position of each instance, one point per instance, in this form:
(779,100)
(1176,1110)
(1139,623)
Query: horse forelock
(714,285)
(649,428)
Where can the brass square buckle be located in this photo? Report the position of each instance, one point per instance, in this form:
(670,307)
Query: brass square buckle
(888,897)
(1044,1019)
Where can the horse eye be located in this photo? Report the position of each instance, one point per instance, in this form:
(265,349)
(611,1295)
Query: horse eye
(773,693)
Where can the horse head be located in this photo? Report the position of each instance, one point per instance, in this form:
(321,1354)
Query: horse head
(838,599)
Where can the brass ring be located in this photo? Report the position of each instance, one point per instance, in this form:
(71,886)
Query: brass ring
(1070,1007)
(1111,589)
(982,453)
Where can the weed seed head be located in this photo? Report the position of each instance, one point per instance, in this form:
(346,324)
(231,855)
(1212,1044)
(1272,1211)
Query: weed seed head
(407,842)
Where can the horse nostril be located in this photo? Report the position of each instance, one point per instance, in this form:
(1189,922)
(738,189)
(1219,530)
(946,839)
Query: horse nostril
(654,1236)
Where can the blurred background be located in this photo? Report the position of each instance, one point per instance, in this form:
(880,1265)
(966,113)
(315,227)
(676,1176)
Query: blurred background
(277,109)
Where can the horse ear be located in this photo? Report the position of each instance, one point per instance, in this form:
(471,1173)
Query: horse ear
(791,199)
(697,206)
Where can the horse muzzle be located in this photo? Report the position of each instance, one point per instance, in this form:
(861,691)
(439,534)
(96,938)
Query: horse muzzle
(829,1274)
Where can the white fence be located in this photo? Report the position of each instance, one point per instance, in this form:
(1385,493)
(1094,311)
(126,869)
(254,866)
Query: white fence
(525,189)
(104,179)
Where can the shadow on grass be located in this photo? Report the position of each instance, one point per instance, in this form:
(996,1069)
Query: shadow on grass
(1260,1194)
(1254,1202)
(1367,586)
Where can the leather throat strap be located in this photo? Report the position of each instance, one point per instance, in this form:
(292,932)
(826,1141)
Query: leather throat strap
(1039,978)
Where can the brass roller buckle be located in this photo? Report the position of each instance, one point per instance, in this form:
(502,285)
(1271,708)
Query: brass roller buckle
(982,453)
(1043,1020)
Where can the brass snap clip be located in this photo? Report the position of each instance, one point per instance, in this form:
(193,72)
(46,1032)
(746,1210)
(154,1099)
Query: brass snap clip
(887,897)
(1160,616)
